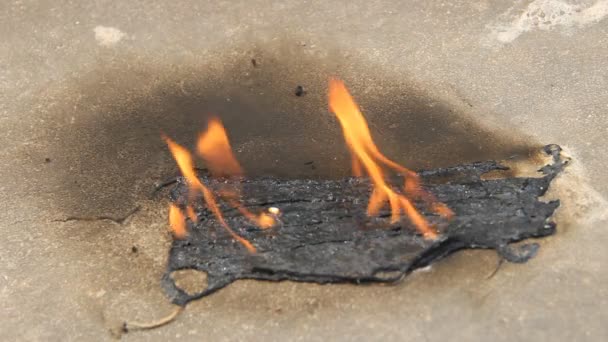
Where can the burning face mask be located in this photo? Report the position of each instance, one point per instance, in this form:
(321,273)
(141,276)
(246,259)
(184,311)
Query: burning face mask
(362,229)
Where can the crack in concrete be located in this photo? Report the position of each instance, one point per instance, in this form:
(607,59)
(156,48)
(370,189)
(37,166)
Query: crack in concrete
(118,220)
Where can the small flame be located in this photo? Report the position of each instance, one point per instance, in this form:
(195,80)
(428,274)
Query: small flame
(366,157)
(262,220)
(177,222)
(191,214)
(214,148)
(186,166)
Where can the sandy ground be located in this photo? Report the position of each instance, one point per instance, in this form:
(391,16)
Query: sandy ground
(86,88)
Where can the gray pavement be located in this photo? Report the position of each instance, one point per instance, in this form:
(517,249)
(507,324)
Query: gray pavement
(86,88)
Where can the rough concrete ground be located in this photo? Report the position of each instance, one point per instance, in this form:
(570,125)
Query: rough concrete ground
(90,85)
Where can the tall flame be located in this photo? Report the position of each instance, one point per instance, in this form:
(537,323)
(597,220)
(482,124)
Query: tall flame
(366,157)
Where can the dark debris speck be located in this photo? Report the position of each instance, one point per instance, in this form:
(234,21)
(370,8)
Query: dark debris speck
(300,91)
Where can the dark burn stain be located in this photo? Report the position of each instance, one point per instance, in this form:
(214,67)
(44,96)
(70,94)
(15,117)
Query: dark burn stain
(110,153)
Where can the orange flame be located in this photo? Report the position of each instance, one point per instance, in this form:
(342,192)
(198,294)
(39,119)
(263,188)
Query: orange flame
(214,148)
(191,214)
(366,157)
(177,222)
(186,166)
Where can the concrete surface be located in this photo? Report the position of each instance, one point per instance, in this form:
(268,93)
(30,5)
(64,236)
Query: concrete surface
(89,85)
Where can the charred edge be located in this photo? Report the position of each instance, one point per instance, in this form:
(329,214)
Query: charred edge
(518,254)
(436,253)
(551,170)
(263,273)
(474,170)
(182,298)
(204,172)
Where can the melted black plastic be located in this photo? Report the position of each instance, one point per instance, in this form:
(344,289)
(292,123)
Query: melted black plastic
(324,235)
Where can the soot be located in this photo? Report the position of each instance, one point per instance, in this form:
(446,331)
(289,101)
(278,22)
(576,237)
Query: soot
(104,132)
(324,235)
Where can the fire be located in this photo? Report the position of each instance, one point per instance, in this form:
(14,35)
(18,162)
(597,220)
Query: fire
(191,214)
(177,222)
(367,158)
(214,147)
